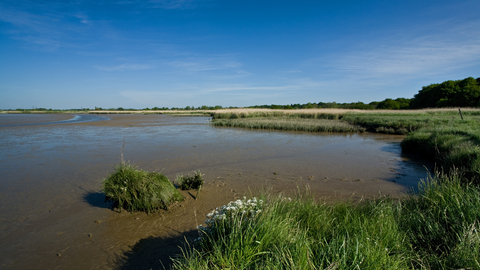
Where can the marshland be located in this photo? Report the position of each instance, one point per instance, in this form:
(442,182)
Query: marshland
(345,200)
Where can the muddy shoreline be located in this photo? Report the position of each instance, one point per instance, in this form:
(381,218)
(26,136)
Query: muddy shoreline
(54,215)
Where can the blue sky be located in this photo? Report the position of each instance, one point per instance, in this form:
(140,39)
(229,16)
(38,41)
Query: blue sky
(177,53)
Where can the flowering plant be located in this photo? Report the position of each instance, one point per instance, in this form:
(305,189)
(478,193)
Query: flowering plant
(235,213)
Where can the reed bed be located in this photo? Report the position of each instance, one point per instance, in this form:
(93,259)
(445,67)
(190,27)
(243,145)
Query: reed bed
(435,229)
(290,124)
(320,113)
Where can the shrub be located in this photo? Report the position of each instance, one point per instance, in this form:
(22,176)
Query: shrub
(190,182)
(137,190)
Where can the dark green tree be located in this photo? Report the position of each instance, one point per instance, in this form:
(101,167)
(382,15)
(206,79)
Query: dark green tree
(459,93)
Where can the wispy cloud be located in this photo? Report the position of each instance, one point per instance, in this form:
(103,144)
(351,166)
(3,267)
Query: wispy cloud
(442,51)
(205,64)
(164,4)
(124,67)
(172,4)
(42,25)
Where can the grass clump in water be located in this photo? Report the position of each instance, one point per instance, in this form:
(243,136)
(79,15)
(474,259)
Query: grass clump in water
(138,190)
(187,182)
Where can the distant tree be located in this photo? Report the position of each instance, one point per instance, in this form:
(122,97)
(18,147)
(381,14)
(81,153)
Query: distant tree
(360,106)
(390,104)
(328,105)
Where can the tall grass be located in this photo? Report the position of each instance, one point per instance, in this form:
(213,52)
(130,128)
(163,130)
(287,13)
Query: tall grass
(442,223)
(436,229)
(137,190)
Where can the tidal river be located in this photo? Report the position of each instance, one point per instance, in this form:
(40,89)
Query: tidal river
(52,210)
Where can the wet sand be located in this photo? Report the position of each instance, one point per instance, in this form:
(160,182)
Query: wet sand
(53,214)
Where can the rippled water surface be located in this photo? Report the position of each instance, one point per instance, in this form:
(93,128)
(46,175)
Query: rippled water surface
(52,166)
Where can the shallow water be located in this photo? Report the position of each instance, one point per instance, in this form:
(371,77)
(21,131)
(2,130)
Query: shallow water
(52,214)
(12,120)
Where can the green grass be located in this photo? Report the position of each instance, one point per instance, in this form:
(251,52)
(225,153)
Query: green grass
(442,222)
(289,124)
(436,229)
(137,190)
(406,121)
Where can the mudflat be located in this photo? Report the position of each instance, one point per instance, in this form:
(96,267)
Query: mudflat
(53,214)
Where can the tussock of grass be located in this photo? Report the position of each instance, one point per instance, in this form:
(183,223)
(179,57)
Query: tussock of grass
(436,229)
(187,182)
(137,190)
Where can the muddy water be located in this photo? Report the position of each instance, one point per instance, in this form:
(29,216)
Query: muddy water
(53,215)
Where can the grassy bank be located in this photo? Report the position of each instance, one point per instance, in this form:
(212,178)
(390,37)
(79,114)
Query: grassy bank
(452,145)
(436,229)
(291,124)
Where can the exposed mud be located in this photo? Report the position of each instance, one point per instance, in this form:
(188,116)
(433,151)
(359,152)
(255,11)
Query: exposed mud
(53,214)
